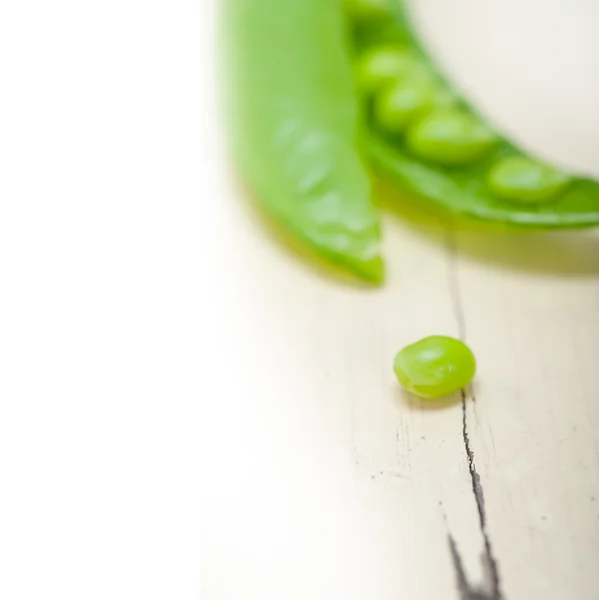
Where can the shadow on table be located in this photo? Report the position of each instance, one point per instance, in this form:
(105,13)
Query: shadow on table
(551,252)
(406,400)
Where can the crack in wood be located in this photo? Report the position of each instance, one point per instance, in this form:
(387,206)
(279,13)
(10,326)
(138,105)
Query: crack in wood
(466,590)
(490,561)
(475,477)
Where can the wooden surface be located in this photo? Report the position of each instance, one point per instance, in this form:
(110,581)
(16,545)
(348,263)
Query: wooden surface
(329,482)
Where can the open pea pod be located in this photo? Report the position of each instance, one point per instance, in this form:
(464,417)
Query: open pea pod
(421,135)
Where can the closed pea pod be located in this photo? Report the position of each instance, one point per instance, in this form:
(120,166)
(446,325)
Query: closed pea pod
(294,124)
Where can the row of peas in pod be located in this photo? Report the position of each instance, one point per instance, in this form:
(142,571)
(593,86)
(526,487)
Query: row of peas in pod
(408,101)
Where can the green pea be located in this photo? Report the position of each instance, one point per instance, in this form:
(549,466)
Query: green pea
(523,179)
(435,366)
(382,65)
(450,137)
(396,106)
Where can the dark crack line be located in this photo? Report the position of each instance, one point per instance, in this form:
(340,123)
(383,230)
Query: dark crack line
(479,496)
(464,587)
(467,592)
(474,476)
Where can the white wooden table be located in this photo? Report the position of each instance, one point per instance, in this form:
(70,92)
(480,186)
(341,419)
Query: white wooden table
(332,483)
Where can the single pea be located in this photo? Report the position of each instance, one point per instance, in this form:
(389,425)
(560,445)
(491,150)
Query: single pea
(435,366)
(396,106)
(381,65)
(450,137)
(523,179)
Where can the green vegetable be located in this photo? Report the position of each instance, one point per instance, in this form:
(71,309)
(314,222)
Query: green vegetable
(294,122)
(438,148)
(521,179)
(382,65)
(401,103)
(367,10)
(450,137)
(435,366)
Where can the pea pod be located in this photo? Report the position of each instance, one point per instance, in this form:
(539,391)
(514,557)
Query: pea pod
(294,122)
(448,155)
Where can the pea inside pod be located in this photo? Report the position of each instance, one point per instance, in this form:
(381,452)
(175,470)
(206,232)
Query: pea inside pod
(383,65)
(450,137)
(396,106)
(521,179)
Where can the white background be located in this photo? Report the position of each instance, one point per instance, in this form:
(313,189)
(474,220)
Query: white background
(109,258)
(129,373)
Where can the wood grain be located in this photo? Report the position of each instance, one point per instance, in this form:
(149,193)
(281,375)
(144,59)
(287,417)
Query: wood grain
(504,480)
